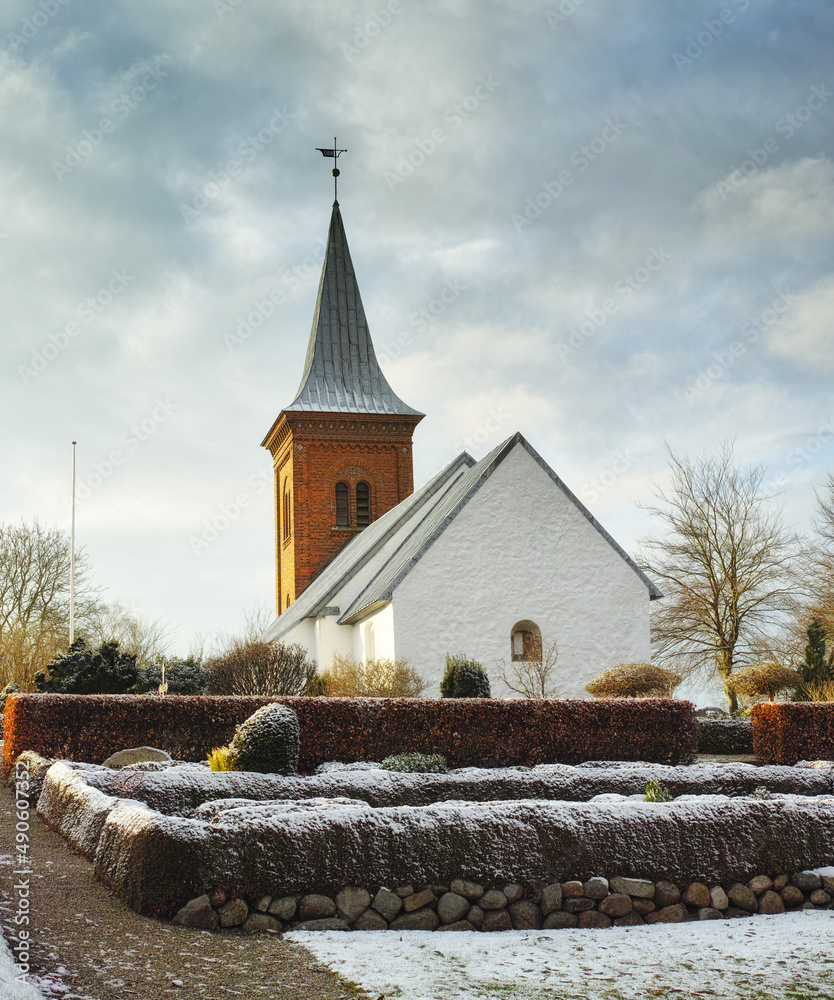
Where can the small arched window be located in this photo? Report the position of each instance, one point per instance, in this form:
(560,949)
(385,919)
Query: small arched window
(526,641)
(342,505)
(288,602)
(287,512)
(363,505)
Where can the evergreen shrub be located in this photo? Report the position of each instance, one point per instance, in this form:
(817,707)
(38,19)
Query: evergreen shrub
(464,678)
(730,737)
(417,763)
(267,742)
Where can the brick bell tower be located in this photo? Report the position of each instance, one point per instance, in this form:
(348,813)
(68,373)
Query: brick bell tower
(342,448)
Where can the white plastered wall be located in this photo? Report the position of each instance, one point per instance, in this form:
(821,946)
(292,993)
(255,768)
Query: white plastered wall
(520,549)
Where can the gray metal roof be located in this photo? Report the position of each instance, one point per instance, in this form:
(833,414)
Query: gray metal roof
(370,567)
(438,519)
(349,572)
(341,372)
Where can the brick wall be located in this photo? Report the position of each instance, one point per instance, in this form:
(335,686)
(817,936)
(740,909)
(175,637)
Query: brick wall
(312,452)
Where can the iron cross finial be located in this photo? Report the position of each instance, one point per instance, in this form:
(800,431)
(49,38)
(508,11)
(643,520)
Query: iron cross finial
(335,152)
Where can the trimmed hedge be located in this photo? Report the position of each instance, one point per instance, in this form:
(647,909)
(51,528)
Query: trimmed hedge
(157,863)
(785,732)
(180,790)
(468,731)
(731,737)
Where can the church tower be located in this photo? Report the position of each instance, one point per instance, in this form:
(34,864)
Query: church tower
(342,448)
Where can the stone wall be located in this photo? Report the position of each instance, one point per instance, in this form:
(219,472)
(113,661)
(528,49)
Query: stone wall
(463,905)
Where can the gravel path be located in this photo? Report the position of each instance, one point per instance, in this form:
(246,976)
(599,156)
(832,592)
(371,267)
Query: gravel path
(88,944)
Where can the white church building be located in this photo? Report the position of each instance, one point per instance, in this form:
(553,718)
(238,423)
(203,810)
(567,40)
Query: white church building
(480,560)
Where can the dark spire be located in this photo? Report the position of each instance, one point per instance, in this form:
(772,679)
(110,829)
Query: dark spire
(341,372)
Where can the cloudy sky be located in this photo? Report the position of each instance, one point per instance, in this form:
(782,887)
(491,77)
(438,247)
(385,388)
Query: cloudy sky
(605,224)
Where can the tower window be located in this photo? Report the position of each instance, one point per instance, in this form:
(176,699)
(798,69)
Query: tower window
(363,505)
(342,505)
(287,512)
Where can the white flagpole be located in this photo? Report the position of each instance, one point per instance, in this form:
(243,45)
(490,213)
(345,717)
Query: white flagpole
(72,556)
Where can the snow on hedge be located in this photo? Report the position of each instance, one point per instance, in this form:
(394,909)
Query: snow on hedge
(178,791)
(157,862)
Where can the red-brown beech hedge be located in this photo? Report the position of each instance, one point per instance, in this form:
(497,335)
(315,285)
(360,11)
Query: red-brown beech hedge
(470,732)
(785,732)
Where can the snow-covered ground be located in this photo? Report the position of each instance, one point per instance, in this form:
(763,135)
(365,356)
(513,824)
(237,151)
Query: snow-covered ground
(10,989)
(789,955)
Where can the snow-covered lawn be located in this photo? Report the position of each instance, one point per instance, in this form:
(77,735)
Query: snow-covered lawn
(785,956)
(10,989)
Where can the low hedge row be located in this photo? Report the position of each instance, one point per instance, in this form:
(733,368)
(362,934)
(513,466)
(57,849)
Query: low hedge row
(180,790)
(730,737)
(785,732)
(157,863)
(468,731)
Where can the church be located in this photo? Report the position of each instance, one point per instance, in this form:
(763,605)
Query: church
(489,558)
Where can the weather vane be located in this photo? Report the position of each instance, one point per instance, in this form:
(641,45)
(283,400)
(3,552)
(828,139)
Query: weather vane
(335,153)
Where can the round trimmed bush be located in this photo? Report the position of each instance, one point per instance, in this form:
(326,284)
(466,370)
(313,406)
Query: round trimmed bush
(267,741)
(634,680)
(464,678)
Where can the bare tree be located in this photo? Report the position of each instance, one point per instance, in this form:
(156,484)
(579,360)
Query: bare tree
(724,562)
(533,674)
(821,560)
(148,639)
(34,598)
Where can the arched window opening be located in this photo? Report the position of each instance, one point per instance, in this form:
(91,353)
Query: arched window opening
(288,602)
(363,505)
(342,505)
(286,513)
(370,642)
(526,641)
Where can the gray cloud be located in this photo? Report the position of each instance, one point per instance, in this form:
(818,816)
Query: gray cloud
(609,129)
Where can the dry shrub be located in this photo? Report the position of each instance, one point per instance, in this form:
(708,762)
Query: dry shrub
(634,680)
(534,676)
(380,678)
(260,668)
(818,691)
(764,679)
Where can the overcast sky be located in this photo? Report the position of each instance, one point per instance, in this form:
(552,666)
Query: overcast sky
(603,224)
